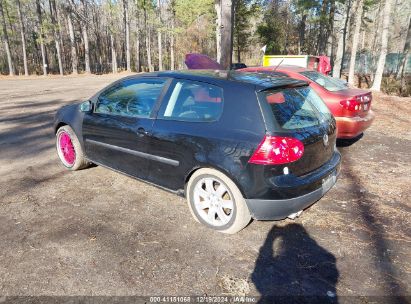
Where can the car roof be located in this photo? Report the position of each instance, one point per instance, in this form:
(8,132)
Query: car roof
(259,82)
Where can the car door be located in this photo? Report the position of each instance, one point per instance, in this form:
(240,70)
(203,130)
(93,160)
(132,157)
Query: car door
(116,132)
(188,115)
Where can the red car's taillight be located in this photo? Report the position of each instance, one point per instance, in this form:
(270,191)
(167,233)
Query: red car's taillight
(351,104)
(276,150)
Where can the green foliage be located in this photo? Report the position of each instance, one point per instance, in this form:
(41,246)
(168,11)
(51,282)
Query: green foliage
(271,34)
(244,12)
(194,26)
(273,28)
(188,11)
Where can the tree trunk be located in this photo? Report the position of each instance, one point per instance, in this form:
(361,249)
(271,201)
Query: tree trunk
(302,32)
(148,41)
(354,46)
(331,36)
(74,59)
(113,54)
(378,16)
(148,49)
(23,39)
(138,37)
(160,51)
(217,6)
(127,34)
(138,62)
(322,35)
(172,48)
(86,48)
(84,30)
(405,52)
(384,47)
(60,62)
(160,46)
(6,41)
(60,39)
(56,32)
(43,50)
(338,57)
(286,38)
(344,37)
(238,49)
(226,32)
(172,37)
(338,54)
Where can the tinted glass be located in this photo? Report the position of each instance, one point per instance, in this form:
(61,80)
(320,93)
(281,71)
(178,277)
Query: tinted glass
(271,73)
(297,108)
(194,101)
(134,97)
(278,74)
(327,82)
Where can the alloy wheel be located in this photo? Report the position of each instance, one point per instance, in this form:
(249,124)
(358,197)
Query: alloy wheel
(213,202)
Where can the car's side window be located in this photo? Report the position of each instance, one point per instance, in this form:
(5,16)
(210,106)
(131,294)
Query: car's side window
(132,97)
(194,101)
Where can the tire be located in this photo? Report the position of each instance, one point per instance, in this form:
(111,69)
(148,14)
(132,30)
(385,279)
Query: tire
(69,149)
(207,200)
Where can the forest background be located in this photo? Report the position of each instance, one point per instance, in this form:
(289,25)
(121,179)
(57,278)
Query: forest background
(368,41)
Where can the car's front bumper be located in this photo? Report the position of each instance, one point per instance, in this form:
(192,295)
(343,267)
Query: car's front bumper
(277,209)
(350,127)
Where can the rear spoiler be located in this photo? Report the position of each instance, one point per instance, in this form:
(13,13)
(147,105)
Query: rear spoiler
(289,83)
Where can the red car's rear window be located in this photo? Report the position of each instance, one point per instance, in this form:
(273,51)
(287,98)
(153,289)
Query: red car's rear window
(329,83)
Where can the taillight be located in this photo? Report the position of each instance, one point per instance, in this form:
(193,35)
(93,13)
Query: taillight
(276,150)
(351,104)
(367,98)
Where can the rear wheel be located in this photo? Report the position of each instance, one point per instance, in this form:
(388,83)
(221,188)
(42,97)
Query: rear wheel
(69,149)
(216,201)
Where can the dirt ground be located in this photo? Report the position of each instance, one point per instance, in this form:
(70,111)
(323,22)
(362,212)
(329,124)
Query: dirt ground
(96,232)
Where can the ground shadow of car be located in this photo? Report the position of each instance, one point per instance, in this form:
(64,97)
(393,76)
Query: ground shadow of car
(348,141)
(293,268)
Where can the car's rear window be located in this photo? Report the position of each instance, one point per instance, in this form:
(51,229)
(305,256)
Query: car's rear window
(326,82)
(296,108)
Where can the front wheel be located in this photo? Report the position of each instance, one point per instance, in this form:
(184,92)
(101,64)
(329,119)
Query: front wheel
(216,201)
(69,149)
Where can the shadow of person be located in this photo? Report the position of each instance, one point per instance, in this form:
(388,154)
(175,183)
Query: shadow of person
(293,268)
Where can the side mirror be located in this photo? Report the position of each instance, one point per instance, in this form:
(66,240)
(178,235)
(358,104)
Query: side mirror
(86,106)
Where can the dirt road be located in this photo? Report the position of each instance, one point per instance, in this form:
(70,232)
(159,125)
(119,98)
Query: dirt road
(96,232)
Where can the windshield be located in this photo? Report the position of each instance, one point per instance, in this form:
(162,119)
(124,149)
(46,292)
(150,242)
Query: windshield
(327,82)
(297,108)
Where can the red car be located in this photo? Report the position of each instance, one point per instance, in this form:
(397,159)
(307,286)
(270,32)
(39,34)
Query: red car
(350,107)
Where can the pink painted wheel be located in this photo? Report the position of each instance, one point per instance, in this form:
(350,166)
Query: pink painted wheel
(69,149)
(66,147)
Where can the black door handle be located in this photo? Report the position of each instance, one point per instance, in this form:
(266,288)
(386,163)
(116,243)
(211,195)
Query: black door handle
(142,132)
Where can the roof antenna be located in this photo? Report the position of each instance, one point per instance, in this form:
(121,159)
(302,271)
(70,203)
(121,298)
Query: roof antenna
(278,65)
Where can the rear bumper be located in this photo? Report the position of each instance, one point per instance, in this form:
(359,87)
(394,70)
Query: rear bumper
(349,127)
(277,209)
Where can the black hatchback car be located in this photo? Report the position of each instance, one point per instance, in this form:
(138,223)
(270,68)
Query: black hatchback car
(237,145)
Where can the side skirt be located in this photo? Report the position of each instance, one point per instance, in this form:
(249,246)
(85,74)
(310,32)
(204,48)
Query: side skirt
(179,192)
